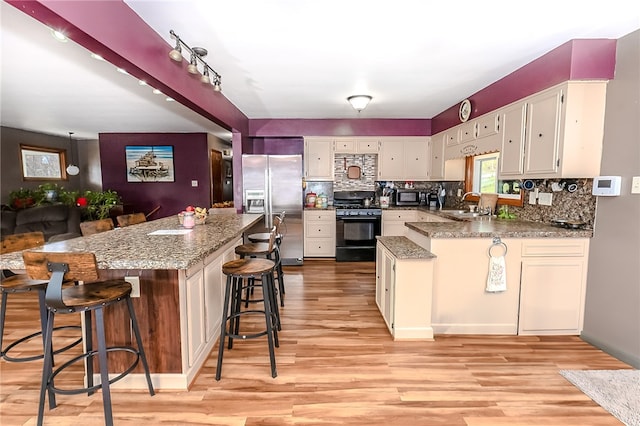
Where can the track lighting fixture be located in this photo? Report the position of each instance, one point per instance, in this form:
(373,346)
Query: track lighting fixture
(197,54)
(359,102)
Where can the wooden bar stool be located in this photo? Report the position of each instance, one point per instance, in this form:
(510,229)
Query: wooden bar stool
(96,226)
(21,283)
(90,296)
(130,219)
(238,272)
(259,247)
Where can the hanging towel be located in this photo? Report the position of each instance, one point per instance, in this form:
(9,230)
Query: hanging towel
(497,280)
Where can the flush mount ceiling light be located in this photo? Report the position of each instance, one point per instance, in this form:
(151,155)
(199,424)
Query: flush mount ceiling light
(359,102)
(72,169)
(197,54)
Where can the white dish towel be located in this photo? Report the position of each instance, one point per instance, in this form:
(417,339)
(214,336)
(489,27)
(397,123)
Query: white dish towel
(497,279)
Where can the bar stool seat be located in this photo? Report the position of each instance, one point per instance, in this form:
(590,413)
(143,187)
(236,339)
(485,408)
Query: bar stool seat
(269,248)
(239,272)
(92,296)
(21,283)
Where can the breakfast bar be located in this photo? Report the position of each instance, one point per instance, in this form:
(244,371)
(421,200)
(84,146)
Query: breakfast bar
(177,281)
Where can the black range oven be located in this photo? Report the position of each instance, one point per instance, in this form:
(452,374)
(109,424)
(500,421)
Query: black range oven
(356,226)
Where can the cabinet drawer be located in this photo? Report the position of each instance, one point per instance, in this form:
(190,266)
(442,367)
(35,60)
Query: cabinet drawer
(320,247)
(566,247)
(319,229)
(402,215)
(320,215)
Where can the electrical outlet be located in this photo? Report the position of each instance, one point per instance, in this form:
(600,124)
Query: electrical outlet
(459,192)
(194,183)
(532,198)
(135,285)
(545,198)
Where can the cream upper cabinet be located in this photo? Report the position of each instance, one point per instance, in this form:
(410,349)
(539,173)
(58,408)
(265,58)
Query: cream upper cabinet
(416,158)
(543,133)
(391,159)
(318,159)
(404,158)
(467,132)
(564,131)
(437,157)
(512,152)
(360,145)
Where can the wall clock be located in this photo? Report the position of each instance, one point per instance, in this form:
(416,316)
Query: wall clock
(465,110)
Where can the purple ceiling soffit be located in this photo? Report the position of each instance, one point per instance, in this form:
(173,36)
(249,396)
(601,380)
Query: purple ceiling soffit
(575,60)
(339,127)
(106,28)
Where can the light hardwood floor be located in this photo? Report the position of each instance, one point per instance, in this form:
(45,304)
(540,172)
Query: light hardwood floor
(337,365)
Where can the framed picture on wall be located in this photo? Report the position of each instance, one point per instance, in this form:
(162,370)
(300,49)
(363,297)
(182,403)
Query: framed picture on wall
(40,163)
(149,163)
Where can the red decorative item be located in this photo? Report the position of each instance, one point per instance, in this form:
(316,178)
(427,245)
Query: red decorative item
(81,202)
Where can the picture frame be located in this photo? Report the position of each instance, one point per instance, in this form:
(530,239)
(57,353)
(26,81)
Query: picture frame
(42,163)
(149,163)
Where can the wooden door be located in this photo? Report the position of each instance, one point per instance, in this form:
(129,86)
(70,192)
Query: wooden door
(217,177)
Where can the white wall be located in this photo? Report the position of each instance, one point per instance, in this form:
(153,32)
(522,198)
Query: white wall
(612,315)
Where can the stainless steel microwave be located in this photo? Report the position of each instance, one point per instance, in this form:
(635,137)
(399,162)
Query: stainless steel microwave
(407,197)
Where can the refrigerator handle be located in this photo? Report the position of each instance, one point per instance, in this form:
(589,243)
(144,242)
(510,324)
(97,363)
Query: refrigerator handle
(268,206)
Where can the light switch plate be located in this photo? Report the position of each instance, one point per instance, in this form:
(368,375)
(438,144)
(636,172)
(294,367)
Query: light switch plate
(545,198)
(635,185)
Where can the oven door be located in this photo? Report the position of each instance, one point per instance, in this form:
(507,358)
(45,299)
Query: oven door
(356,237)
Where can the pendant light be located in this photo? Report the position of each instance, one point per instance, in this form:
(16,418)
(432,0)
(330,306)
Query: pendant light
(72,169)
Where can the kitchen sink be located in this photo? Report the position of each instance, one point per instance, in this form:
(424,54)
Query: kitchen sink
(466,215)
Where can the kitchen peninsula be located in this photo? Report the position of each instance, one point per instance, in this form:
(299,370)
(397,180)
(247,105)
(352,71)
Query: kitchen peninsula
(178,289)
(545,269)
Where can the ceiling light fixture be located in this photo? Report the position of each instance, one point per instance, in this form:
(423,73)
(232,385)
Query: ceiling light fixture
(72,169)
(58,35)
(359,102)
(196,57)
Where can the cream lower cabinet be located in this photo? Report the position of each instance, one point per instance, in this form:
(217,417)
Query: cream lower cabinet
(460,303)
(202,295)
(553,286)
(403,294)
(320,233)
(393,221)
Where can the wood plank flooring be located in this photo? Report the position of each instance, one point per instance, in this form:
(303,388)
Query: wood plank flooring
(337,365)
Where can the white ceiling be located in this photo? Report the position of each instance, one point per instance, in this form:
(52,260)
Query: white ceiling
(297,59)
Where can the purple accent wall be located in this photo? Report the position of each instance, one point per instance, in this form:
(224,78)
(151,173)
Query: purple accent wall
(283,146)
(577,59)
(191,162)
(113,30)
(339,127)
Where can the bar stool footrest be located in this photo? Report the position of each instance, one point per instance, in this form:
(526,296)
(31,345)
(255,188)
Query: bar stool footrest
(89,356)
(40,356)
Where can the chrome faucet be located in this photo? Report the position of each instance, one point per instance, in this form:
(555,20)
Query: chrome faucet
(469,193)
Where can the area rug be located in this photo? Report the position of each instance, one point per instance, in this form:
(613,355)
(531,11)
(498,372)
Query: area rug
(617,391)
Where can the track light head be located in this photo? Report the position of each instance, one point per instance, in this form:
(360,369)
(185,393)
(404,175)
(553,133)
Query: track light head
(193,65)
(176,53)
(217,84)
(205,76)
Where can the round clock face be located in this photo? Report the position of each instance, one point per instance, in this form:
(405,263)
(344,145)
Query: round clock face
(465,110)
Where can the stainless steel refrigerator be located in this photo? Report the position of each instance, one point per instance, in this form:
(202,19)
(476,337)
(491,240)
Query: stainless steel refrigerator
(279,179)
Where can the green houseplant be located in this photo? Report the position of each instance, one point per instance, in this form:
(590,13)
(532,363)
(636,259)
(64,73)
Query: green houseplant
(97,204)
(22,198)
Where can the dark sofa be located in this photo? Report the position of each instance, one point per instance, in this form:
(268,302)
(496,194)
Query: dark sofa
(56,221)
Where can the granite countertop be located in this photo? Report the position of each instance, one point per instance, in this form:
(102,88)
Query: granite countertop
(404,248)
(505,228)
(133,248)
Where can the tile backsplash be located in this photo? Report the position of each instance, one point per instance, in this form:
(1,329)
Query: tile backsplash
(369,171)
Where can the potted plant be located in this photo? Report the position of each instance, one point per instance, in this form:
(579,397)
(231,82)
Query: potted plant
(98,204)
(21,198)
